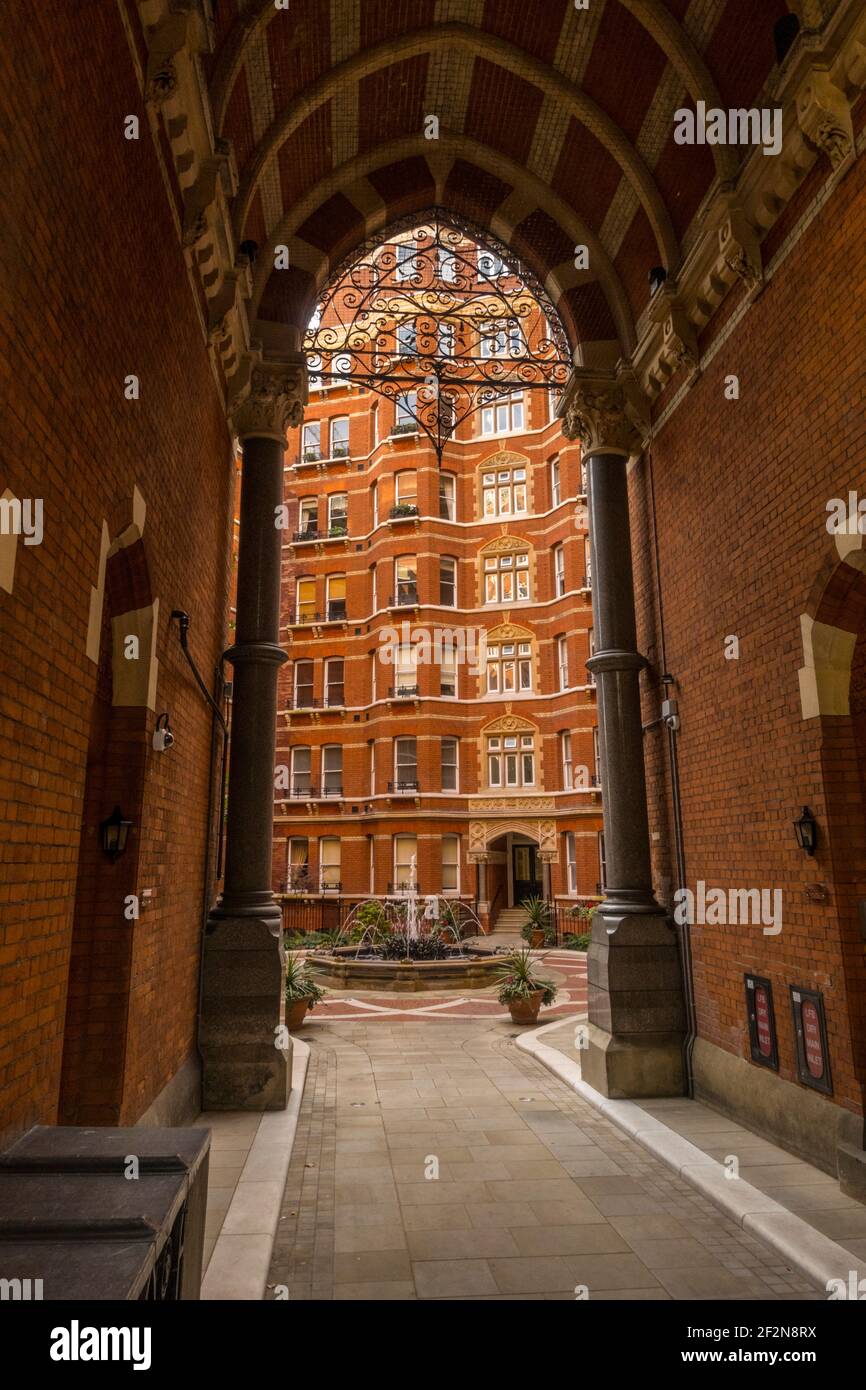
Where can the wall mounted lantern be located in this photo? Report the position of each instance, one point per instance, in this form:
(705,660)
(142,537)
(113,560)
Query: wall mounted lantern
(806,830)
(114,833)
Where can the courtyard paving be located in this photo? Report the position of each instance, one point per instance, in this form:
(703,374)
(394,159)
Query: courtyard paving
(433,1160)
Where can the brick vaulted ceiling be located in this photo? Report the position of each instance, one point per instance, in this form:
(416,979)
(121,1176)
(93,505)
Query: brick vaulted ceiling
(555,129)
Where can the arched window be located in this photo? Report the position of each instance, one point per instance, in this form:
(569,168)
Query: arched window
(510,753)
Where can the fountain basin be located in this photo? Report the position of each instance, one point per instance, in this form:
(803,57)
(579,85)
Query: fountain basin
(343,968)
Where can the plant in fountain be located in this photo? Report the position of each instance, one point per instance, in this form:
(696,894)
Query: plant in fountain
(302,992)
(522,990)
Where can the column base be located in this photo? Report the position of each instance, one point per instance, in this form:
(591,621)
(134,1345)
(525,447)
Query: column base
(245,1049)
(636,1010)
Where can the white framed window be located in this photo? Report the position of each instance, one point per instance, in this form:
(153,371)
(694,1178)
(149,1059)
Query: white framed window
(509,668)
(565,756)
(511,760)
(374,423)
(587,560)
(448,764)
(308,516)
(406,407)
(298,864)
(590,675)
(340,437)
(447,497)
(501,339)
(374,588)
(506,577)
(341,365)
(301,771)
(374,490)
(371,865)
(336,597)
(559,570)
(448,266)
(571,861)
(448,671)
(447,581)
(406,579)
(314,367)
(338,513)
(405,862)
(596,754)
(405,764)
(406,488)
(503,491)
(583,478)
(334,681)
(552,404)
(311,441)
(305,600)
(329,864)
(406,670)
(504,418)
(303,681)
(555,483)
(562,661)
(371,745)
(332,770)
(406,265)
(450,863)
(602,863)
(407,344)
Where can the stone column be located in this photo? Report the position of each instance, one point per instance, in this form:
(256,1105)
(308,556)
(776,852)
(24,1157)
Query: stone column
(245,1050)
(636,1010)
(545,876)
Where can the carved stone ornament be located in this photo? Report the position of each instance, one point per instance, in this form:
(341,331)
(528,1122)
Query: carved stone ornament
(509,724)
(161,81)
(599,414)
(274,402)
(501,545)
(824,116)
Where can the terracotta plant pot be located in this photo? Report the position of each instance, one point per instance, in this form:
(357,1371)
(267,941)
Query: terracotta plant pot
(296,1012)
(526,1010)
(536,938)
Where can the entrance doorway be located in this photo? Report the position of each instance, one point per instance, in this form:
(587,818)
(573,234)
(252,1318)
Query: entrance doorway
(525,873)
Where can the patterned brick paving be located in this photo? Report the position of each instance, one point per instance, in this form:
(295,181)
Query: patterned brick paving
(535,1196)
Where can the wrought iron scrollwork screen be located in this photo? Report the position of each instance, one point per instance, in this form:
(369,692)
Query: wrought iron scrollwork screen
(441,319)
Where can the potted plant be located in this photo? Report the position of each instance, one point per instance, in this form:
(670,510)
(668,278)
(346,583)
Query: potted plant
(522,990)
(537,926)
(302,992)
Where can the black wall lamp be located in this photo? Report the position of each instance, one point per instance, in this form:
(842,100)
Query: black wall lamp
(114,833)
(806,830)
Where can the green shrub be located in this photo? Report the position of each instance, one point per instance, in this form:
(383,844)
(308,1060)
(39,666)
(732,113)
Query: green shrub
(300,983)
(577,942)
(518,980)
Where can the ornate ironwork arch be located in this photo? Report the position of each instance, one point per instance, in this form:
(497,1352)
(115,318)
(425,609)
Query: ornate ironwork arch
(441,318)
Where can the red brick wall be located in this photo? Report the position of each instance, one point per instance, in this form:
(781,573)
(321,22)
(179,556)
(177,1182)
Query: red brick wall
(741,489)
(95,288)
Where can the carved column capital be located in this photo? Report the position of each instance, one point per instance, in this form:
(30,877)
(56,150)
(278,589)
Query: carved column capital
(272,399)
(605,411)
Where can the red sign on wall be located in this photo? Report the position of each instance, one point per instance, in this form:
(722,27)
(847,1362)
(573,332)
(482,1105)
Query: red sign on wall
(810,1032)
(762,1021)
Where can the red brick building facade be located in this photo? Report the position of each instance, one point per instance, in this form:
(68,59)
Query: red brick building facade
(436,708)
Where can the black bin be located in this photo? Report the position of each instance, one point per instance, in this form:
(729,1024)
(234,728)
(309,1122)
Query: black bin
(74,1226)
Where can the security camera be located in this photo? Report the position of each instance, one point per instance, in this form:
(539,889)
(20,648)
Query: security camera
(163,738)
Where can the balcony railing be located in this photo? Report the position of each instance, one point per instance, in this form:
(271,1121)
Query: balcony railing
(586,582)
(339,451)
(404,785)
(309,533)
(404,886)
(402,511)
(311,455)
(402,692)
(334,887)
(306,616)
(313,793)
(337,610)
(334,699)
(404,427)
(407,597)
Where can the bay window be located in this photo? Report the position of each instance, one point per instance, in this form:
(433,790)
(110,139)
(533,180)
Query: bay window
(509,668)
(506,577)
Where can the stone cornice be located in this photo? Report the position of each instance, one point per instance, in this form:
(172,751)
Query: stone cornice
(176,34)
(815,88)
(270,396)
